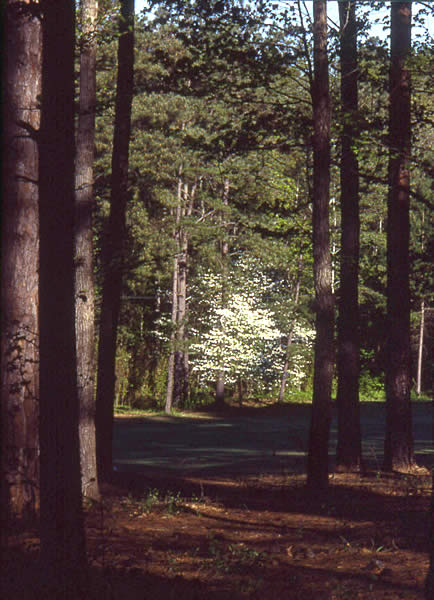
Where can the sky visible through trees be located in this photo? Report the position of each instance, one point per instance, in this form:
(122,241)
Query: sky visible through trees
(380,13)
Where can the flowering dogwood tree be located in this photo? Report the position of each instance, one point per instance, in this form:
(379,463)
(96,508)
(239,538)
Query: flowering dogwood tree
(241,338)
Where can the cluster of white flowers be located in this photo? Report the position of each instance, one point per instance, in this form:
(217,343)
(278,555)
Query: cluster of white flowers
(239,337)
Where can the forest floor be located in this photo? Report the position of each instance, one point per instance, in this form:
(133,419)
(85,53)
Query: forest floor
(167,536)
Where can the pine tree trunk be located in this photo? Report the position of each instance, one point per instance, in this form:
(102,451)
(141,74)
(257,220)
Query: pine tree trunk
(317,464)
(180,366)
(420,349)
(171,361)
(220,383)
(398,448)
(349,446)
(63,550)
(171,366)
(20,256)
(84,283)
(114,244)
(289,343)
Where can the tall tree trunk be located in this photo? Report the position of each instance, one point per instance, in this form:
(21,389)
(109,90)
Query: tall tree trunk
(421,325)
(317,464)
(114,244)
(290,334)
(174,316)
(177,381)
(19,273)
(220,383)
(398,448)
(84,283)
(63,551)
(420,349)
(180,366)
(171,361)
(349,446)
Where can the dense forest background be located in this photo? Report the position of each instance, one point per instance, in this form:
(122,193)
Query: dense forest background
(220,190)
(204,203)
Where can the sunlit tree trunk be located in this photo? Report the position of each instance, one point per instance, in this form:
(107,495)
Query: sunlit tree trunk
(63,551)
(19,273)
(180,366)
(287,361)
(174,314)
(349,446)
(114,244)
(420,349)
(398,448)
(84,282)
(317,464)
(220,383)
(181,359)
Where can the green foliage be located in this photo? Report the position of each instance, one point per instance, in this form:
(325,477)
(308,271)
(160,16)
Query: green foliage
(371,388)
(223,93)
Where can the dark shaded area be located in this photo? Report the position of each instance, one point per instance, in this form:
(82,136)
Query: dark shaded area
(269,510)
(385,519)
(239,442)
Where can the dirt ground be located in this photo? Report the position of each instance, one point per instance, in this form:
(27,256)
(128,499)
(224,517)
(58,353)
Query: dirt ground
(259,537)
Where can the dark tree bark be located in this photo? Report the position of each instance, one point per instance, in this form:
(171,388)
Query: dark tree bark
(114,243)
(317,464)
(84,281)
(63,551)
(20,255)
(349,446)
(398,448)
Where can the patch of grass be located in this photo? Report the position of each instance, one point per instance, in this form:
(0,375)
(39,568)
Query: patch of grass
(294,396)
(420,398)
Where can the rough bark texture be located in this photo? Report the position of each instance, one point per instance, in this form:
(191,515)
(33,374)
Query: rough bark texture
(84,283)
(20,254)
(349,446)
(398,450)
(63,552)
(113,244)
(317,464)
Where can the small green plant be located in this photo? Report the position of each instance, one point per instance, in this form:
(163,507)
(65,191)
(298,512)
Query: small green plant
(232,558)
(151,500)
(173,503)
